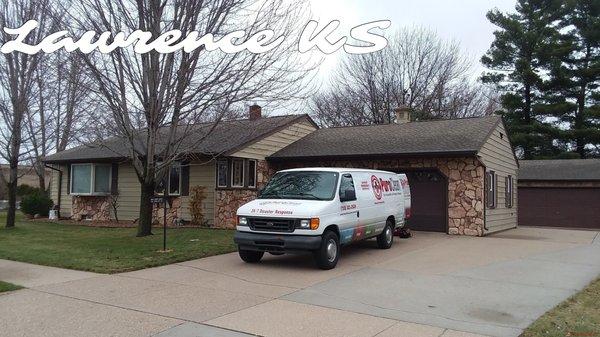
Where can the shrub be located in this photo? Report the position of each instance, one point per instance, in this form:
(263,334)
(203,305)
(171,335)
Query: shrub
(197,196)
(25,190)
(36,203)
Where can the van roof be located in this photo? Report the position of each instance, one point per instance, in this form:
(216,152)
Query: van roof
(335,169)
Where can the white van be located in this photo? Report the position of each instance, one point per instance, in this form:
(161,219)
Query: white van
(319,209)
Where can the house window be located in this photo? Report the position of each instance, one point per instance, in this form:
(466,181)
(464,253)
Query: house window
(171,182)
(490,188)
(222,173)
(90,179)
(508,181)
(237,173)
(251,173)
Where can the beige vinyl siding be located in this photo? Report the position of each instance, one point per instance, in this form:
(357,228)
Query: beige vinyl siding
(201,173)
(129,193)
(497,155)
(275,142)
(65,199)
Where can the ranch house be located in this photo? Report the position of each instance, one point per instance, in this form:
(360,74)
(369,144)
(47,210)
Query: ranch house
(462,172)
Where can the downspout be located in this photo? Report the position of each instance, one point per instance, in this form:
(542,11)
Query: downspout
(485,228)
(59,185)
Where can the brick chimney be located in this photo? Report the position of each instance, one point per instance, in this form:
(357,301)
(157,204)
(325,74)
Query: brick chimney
(255,112)
(402,114)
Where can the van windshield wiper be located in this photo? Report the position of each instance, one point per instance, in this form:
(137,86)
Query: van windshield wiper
(271,195)
(310,195)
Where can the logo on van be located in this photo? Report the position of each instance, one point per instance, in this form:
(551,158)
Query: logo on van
(376,184)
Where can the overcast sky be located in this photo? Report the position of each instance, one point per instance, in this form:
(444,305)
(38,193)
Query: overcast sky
(460,20)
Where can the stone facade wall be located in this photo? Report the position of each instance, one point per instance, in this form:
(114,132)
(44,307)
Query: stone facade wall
(228,200)
(96,208)
(465,185)
(173,211)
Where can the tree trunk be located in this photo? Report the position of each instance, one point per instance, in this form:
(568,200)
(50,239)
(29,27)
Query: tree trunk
(42,181)
(527,153)
(145,222)
(580,142)
(12,193)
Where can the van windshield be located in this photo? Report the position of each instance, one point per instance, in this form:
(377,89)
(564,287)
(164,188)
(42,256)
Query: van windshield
(311,185)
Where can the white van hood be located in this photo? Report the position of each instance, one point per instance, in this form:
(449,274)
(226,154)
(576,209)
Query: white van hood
(283,208)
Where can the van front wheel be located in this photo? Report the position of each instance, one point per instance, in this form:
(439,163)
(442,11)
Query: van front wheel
(250,256)
(386,238)
(328,254)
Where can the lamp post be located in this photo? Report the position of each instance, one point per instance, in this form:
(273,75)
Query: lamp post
(157,201)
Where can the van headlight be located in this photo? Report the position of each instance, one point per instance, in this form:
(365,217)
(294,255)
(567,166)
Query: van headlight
(242,221)
(305,224)
(312,223)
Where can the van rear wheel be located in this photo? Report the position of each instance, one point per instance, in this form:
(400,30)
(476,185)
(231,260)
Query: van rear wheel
(386,238)
(250,256)
(328,254)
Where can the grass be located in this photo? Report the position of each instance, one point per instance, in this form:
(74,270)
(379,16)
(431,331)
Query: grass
(577,316)
(106,250)
(5,286)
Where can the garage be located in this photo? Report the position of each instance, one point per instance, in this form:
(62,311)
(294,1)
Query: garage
(560,207)
(559,193)
(447,163)
(429,201)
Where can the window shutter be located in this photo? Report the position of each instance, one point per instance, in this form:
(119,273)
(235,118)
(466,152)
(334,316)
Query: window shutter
(68,178)
(114,183)
(495,190)
(185,179)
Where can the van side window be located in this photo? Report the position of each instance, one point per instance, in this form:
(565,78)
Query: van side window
(347,191)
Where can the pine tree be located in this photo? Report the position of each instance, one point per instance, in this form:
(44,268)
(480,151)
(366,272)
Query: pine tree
(575,77)
(518,58)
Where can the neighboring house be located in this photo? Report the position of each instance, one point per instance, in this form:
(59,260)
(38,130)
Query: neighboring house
(461,172)
(559,193)
(27,176)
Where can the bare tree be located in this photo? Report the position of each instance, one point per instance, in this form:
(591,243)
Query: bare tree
(18,86)
(417,70)
(155,99)
(62,110)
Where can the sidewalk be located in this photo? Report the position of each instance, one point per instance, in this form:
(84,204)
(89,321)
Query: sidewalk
(32,275)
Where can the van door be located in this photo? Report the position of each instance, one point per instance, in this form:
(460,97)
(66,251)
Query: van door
(349,212)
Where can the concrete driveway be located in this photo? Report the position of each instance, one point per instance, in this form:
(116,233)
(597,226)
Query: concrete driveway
(429,285)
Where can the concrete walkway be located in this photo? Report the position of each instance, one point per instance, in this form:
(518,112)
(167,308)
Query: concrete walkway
(33,275)
(429,285)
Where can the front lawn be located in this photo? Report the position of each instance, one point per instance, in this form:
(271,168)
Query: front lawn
(5,286)
(106,250)
(577,316)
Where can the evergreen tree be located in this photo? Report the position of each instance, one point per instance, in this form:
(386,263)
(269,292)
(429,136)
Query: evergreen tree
(575,77)
(518,58)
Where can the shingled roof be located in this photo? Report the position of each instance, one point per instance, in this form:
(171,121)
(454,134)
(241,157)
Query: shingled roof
(440,137)
(559,169)
(225,137)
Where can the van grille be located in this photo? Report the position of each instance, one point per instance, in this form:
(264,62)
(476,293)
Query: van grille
(272,224)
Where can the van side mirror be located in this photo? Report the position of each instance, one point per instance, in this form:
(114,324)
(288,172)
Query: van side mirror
(348,195)
(260,191)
